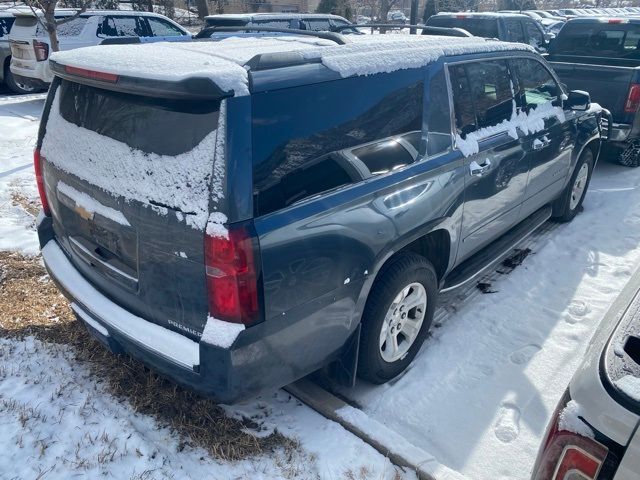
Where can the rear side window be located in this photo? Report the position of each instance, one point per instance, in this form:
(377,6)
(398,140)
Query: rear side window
(438,116)
(318,24)
(314,138)
(273,23)
(479,27)
(534,35)
(159,126)
(513,30)
(72,28)
(122,27)
(162,28)
(5,26)
(482,95)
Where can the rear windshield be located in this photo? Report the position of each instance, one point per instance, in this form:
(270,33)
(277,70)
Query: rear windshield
(165,127)
(600,40)
(26,21)
(5,26)
(479,27)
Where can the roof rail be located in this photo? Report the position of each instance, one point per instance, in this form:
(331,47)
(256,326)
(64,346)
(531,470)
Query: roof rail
(426,30)
(332,36)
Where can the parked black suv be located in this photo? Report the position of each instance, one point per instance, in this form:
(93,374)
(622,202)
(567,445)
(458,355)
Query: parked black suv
(237,224)
(602,56)
(509,27)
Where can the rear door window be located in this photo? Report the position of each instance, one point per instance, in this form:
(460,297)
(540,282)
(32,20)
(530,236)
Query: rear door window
(513,30)
(122,27)
(482,95)
(162,28)
(438,116)
(5,26)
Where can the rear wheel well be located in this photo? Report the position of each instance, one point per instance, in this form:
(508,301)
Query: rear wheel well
(435,247)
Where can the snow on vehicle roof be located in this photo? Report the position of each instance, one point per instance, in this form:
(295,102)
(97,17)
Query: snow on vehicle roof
(275,16)
(224,61)
(482,14)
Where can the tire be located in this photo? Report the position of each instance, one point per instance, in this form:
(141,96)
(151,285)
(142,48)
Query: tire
(630,155)
(409,274)
(15,86)
(568,204)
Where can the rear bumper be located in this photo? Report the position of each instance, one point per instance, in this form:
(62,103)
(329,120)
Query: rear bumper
(264,357)
(32,73)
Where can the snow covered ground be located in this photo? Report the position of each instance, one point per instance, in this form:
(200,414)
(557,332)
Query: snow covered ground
(477,397)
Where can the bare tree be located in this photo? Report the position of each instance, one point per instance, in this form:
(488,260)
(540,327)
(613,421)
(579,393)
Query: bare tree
(44,11)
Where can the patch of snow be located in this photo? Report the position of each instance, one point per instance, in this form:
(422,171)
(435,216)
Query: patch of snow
(527,123)
(369,54)
(215,225)
(220,160)
(630,386)
(135,175)
(221,334)
(347,280)
(181,254)
(570,420)
(153,337)
(91,205)
(223,61)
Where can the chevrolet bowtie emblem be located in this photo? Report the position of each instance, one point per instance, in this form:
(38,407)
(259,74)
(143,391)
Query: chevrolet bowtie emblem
(83,212)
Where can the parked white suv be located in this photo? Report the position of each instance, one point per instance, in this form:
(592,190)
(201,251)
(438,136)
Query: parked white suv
(594,433)
(30,42)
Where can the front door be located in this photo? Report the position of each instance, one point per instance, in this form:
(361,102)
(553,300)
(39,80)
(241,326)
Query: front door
(495,160)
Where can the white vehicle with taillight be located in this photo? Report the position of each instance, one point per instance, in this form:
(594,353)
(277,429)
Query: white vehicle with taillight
(594,433)
(30,45)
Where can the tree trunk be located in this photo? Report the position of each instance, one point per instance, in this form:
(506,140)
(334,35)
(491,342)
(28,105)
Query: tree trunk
(51,27)
(203,8)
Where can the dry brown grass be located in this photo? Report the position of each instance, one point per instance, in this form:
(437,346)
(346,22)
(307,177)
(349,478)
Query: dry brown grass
(29,205)
(30,304)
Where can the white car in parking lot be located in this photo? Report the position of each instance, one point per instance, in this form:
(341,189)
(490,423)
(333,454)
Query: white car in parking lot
(30,45)
(594,433)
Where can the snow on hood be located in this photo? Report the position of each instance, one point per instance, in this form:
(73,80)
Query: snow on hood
(223,61)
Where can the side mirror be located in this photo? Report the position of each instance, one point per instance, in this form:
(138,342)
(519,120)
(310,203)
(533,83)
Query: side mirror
(578,100)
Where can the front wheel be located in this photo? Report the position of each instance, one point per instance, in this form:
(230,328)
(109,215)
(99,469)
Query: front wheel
(567,206)
(397,317)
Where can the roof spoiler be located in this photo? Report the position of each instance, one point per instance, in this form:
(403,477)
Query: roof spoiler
(426,30)
(332,36)
(195,88)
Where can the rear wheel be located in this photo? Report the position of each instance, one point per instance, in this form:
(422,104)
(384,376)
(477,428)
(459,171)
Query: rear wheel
(397,317)
(567,206)
(630,155)
(14,85)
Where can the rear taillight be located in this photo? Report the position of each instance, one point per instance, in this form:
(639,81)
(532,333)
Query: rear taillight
(37,167)
(232,280)
(568,455)
(41,49)
(633,99)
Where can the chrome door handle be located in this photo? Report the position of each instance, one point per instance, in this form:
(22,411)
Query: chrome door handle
(540,144)
(478,170)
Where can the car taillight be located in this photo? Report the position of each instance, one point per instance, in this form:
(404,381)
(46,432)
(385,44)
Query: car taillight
(232,280)
(37,167)
(633,99)
(568,455)
(41,49)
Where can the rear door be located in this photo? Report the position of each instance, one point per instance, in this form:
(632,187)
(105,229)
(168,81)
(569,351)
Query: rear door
(548,150)
(128,181)
(497,168)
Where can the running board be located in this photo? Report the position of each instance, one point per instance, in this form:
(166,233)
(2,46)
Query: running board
(496,251)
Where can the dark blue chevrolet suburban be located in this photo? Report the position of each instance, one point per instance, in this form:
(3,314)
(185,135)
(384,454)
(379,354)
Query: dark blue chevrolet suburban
(239,214)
